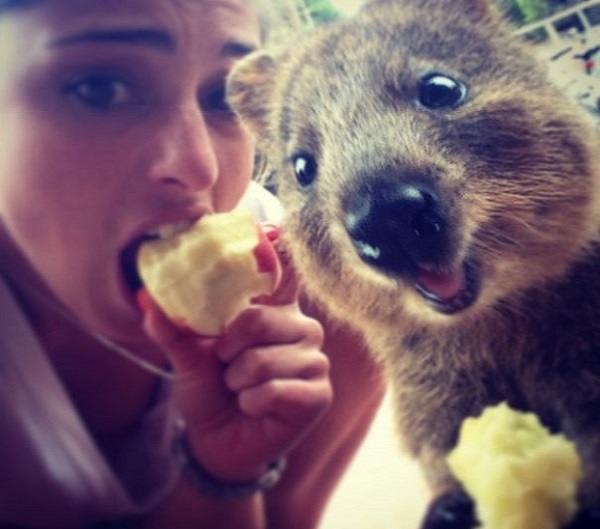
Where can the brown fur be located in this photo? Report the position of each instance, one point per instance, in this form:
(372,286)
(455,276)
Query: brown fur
(515,172)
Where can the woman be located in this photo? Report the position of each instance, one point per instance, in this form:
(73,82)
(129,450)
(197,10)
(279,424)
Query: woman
(115,124)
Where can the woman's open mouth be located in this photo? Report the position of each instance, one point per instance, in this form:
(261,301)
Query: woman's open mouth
(129,265)
(129,255)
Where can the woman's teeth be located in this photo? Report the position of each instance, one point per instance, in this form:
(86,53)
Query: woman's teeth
(167,231)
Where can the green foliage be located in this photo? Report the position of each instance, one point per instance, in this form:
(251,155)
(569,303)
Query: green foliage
(532,10)
(528,11)
(322,11)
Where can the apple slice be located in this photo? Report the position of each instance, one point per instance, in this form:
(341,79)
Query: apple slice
(520,475)
(202,277)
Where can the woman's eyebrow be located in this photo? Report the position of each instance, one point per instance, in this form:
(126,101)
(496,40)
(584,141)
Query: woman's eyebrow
(145,36)
(133,36)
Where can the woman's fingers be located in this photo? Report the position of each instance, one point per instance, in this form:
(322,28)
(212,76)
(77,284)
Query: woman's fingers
(262,325)
(296,403)
(259,365)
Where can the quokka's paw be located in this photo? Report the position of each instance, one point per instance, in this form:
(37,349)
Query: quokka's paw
(586,519)
(454,510)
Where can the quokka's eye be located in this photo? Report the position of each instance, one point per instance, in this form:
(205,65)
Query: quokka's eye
(438,91)
(305,168)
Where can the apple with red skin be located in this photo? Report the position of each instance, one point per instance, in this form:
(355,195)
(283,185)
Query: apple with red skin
(202,277)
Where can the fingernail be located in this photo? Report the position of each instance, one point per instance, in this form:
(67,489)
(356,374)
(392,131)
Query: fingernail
(143,299)
(271,232)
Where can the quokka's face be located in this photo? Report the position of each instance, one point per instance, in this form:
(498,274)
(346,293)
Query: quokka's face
(426,165)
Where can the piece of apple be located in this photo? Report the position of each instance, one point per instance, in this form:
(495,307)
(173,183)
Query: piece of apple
(205,275)
(519,474)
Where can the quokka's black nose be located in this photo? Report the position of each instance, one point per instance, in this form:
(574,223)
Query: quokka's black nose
(396,227)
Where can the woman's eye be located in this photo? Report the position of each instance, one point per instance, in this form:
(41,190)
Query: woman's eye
(100,91)
(215,100)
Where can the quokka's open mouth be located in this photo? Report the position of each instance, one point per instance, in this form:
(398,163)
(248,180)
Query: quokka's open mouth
(449,292)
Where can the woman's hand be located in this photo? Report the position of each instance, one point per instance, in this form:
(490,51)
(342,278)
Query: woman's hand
(250,395)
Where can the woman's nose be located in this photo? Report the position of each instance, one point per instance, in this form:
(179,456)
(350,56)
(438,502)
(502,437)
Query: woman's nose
(183,153)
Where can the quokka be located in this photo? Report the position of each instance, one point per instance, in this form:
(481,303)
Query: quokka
(443,197)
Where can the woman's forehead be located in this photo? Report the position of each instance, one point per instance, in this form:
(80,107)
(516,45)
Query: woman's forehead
(156,10)
(23,4)
(182,20)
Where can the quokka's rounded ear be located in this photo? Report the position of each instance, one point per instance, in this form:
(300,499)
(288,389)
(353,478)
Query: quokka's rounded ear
(250,92)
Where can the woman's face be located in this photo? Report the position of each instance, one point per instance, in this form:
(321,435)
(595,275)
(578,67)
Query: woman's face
(114,123)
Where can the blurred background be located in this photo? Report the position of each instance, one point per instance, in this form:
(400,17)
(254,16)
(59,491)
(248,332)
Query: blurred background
(383,488)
